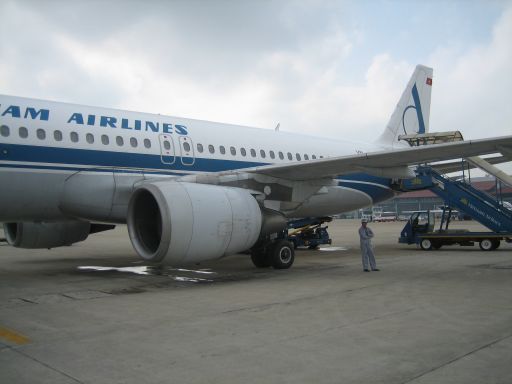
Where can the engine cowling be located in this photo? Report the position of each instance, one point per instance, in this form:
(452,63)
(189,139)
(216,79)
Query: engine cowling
(46,234)
(178,222)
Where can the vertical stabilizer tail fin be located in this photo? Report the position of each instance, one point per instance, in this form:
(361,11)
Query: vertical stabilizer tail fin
(412,113)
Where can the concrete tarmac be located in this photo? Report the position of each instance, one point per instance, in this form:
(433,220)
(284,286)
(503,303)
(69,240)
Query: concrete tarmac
(94,313)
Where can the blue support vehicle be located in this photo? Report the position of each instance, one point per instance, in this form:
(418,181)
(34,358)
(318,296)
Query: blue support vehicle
(420,230)
(309,232)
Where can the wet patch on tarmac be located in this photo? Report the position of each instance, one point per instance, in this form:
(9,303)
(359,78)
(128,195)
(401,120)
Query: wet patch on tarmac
(333,249)
(176,274)
(151,277)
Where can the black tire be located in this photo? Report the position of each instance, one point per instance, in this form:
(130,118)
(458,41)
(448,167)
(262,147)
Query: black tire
(426,244)
(314,246)
(495,244)
(259,259)
(436,245)
(486,245)
(282,254)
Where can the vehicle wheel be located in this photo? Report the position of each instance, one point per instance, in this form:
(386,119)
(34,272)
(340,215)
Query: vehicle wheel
(282,255)
(259,259)
(436,245)
(495,244)
(486,245)
(426,245)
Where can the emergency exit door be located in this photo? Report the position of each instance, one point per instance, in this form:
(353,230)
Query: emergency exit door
(167,153)
(187,150)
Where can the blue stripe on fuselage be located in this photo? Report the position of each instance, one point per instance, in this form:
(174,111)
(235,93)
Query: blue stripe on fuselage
(376,187)
(97,158)
(377,191)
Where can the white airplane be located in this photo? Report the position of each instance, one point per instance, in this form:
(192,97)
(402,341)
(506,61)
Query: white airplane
(192,190)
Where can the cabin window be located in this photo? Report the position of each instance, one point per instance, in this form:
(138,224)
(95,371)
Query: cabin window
(119,141)
(186,147)
(306,157)
(147,143)
(23,132)
(272,155)
(89,138)
(253,153)
(243,152)
(297,156)
(5,131)
(233,151)
(105,140)
(74,137)
(222,150)
(41,134)
(321,157)
(200,148)
(211,149)
(290,157)
(313,157)
(167,145)
(57,135)
(133,142)
(281,155)
(262,154)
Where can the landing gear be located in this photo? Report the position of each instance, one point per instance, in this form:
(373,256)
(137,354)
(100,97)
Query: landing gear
(259,259)
(282,254)
(279,255)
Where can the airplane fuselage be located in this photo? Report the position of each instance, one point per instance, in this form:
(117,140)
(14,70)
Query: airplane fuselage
(43,144)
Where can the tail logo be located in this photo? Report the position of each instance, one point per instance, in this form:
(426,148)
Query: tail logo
(417,107)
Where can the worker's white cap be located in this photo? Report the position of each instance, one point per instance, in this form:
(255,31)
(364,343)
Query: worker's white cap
(364,221)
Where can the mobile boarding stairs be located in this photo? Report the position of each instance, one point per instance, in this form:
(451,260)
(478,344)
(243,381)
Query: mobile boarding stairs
(459,194)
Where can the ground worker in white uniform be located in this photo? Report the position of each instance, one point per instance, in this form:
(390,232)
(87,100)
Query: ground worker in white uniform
(365,236)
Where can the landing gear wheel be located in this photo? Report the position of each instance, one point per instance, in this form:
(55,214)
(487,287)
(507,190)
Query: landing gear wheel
(426,244)
(282,254)
(486,245)
(260,259)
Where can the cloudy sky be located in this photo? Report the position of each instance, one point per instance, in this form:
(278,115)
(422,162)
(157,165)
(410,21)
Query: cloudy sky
(329,68)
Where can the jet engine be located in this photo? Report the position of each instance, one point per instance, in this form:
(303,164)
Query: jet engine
(46,234)
(180,222)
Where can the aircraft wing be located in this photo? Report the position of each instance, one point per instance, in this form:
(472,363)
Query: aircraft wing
(379,162)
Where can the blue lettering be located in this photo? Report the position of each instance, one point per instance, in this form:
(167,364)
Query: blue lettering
(43,113)
(13,110)
(167,128)
(91,119)
(155,127)
(125,123)
(108,121)
(76,118)
(181,130)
